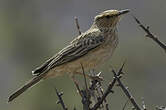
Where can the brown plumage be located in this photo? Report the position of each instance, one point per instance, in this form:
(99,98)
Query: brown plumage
(89,49)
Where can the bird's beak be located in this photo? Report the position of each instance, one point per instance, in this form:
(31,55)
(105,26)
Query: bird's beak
(121,12)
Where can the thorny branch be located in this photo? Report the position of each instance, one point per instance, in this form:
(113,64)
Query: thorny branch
(160,108)
(60,101)
(85,94)
(143,104)
(126,91)
(150,35)
(78,89)
(125,105)
(86,85)
(85,97)
(108,90)
(77,25)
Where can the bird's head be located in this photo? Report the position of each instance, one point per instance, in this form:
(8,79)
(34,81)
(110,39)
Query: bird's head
(109,18)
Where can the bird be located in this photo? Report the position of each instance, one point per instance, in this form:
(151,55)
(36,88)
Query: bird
(89,49)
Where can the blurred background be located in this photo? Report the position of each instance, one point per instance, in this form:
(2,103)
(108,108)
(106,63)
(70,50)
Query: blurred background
(31,31)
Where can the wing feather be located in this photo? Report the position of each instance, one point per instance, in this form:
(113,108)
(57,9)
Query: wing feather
(76,49)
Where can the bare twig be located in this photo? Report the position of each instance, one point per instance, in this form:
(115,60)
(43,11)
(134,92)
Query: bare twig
(77,25)
(143,104)
(95,89)
(160,108)
(86,85)
(108,90)
(85,95)
(126,91)
(150,35)
(60,101)
(78,89)
(101,91)
(125,105)
(86,100)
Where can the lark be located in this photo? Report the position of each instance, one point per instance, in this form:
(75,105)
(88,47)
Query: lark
(90,49)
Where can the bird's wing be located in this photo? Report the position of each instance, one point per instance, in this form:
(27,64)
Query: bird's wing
(77,48)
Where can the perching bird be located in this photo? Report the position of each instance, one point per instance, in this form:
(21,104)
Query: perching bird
(90,49)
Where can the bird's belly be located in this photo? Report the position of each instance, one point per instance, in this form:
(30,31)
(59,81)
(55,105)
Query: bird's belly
(90,61)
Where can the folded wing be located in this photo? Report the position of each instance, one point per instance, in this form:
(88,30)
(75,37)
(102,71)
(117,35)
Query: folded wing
(77,48)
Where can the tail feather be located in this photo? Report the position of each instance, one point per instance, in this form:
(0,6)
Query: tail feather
(25,87)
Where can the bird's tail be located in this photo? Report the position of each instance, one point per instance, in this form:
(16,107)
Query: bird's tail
(29,84)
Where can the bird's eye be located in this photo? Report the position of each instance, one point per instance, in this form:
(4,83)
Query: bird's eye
(107,16)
